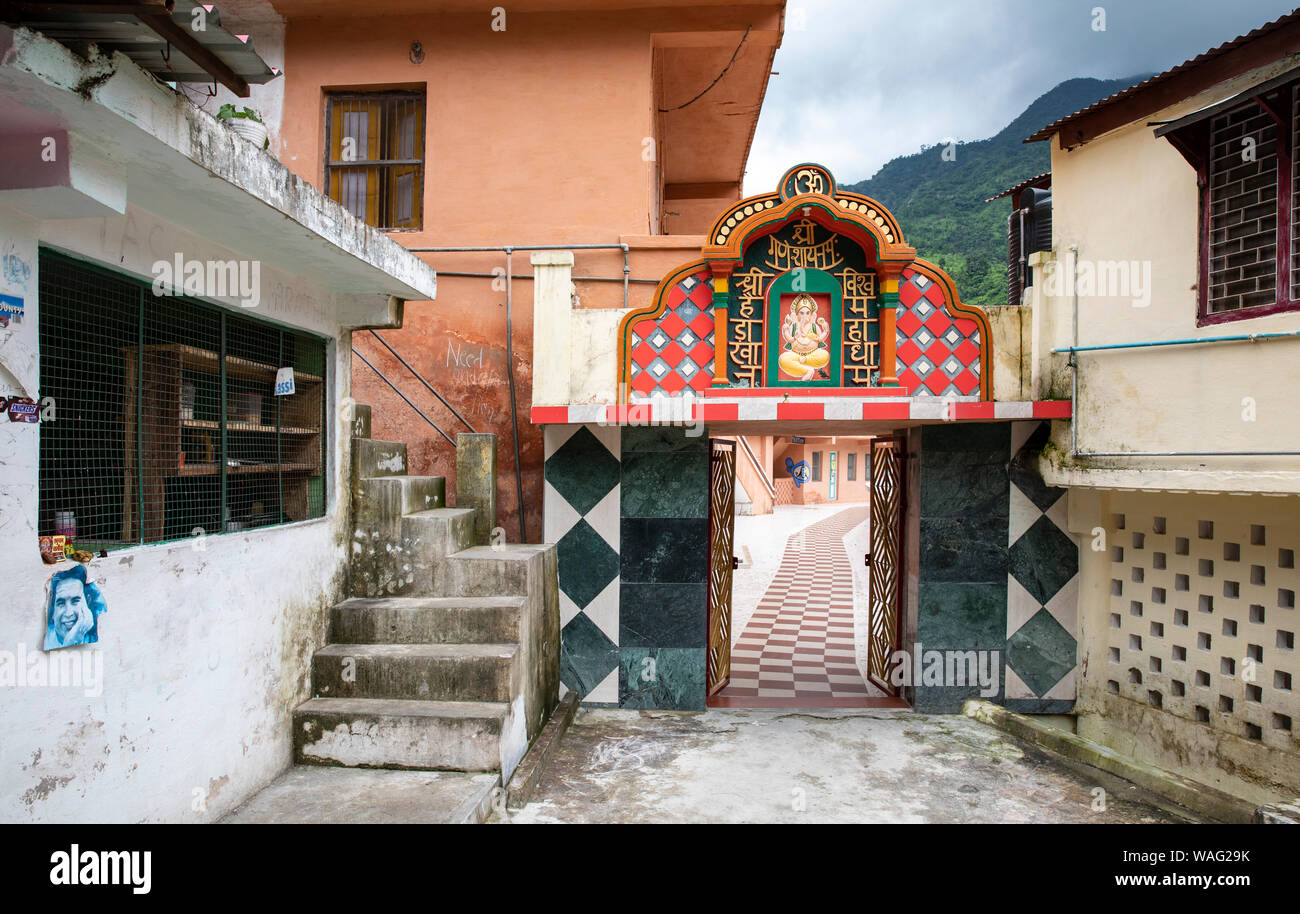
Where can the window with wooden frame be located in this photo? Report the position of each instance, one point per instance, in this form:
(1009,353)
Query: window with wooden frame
(374,156)
(1245,152)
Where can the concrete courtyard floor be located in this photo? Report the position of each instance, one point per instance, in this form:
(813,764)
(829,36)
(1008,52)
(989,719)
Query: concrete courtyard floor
(741,766)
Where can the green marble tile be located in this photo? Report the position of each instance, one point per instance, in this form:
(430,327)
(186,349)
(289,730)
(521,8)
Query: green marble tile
(964,483)
(665,484)
(1042,652)
(586,655)
(672,681)
(583,470)
(586,563)
(664,549)
(662,438)
(662,615)
(971,616)
(964,549)
(1043,559)
(989,437)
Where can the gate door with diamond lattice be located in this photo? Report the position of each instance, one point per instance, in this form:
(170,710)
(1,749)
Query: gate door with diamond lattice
(885,589)
(722,529)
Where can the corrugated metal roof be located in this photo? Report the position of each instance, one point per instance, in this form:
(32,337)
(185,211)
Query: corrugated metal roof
(1016,188)
(1052,129)
(133,34)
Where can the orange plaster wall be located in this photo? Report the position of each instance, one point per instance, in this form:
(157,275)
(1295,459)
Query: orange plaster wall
(534,135)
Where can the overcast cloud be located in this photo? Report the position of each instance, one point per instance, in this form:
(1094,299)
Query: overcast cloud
(863,81)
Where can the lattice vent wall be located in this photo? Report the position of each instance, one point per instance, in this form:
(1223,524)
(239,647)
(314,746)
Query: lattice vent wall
(1202,617)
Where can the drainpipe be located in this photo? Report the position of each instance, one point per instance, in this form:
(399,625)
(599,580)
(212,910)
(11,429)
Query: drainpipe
(1074,360)
(510,364)
(514,413)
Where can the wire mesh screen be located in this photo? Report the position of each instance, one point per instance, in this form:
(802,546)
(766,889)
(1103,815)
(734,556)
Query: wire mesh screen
(167,422)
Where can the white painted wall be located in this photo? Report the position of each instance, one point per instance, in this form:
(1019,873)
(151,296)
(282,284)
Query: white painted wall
(204,651)
(1130,197)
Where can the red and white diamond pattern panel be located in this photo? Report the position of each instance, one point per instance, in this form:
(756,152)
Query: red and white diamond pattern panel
(675,351)
(938,355)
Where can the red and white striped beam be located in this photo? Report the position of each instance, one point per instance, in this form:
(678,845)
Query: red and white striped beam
(761,406)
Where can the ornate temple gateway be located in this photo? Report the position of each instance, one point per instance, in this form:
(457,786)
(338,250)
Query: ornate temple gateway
(806,315)
(807,287)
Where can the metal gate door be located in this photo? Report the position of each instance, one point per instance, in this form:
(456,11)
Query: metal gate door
(722,529)
(886,587)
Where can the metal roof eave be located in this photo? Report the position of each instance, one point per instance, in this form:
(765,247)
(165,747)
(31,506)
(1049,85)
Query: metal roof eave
(138,36)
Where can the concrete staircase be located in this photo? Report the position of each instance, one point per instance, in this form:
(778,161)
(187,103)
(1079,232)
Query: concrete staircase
(447,654)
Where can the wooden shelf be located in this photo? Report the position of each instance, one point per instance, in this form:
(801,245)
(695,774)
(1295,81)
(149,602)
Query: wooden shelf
(154,383)
(208,362)
(211,469)
(246,427)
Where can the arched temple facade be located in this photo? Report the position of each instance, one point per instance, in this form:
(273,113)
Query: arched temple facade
(806,313)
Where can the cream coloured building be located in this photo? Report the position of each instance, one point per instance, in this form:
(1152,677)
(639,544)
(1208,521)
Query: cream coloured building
(1168,310)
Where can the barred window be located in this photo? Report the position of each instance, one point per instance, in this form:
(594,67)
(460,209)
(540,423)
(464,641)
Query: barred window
(1243,201)
(165,421)
(816,466)
(1246,152)
(853,467)
(375,156)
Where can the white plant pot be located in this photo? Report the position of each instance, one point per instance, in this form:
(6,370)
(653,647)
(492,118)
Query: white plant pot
(250,130)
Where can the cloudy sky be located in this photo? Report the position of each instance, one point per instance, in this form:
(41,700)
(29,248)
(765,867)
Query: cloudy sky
(862,81)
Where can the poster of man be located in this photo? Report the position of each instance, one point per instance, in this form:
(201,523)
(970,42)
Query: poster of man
(72,614)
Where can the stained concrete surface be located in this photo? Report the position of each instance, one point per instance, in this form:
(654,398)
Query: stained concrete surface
(740,766)
(308,794)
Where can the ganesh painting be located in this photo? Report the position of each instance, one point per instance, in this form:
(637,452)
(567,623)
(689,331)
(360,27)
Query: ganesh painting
(805,330)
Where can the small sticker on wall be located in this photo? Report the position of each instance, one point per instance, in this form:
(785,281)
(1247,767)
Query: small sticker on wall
(73,607)
(11,306)
(22,409)
(799,472)
(284,382)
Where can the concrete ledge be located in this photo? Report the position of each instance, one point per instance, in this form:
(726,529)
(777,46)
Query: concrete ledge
(1202,799)
(529,771)
(1278,814)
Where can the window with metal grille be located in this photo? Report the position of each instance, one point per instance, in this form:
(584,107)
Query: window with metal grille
(374,155)
(166,424)
(1243,202)
(1246,152)
(852,470)
(816,466)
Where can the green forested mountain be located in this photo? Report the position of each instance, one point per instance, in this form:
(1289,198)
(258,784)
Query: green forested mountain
(940,204)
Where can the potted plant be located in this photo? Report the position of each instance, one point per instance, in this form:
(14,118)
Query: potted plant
(247,123)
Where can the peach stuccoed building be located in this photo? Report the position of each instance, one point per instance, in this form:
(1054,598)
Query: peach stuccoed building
(461,124)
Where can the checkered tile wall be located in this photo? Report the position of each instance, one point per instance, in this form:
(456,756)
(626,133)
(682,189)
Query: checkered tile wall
(938,354)
(1042,585)
(581,516)
(675,350)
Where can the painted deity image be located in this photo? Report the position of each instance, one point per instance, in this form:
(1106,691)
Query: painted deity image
(803,340)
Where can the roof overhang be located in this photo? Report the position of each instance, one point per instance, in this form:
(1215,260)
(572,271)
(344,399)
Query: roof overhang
(175,40)
(132,140)
(1275,41)
(1235,101)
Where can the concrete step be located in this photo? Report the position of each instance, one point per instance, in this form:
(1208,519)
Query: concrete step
(481,571)
(381,501)
(394,733)
(423,672)
(441,530)
(360,420)
(377,458)
(395,555)
(427,620)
